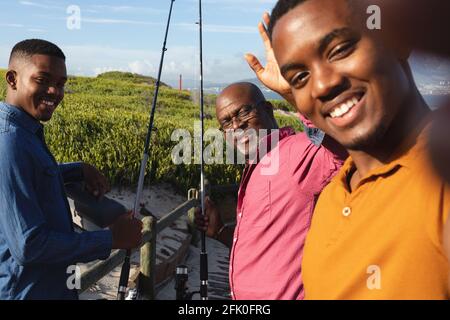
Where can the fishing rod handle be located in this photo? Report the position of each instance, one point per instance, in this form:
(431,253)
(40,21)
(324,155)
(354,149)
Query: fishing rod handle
(124,275)
(204,276)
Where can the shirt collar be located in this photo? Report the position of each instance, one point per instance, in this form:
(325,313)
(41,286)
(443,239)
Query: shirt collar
(20,117)
(315,135)
(406,155)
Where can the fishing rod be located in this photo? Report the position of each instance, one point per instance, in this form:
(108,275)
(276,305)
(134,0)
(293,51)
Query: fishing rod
(181,275)
(125,272)
(203,253)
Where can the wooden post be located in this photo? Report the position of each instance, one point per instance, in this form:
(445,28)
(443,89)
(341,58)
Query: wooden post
(146,280)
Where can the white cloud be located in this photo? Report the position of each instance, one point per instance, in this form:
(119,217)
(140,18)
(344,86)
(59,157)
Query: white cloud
(239,2)
(215,28)
(117,21)
(141,67)
(99,70)
(250,6)
(92,60)
(125,9)
(12,25)
(39,5)
(207,28)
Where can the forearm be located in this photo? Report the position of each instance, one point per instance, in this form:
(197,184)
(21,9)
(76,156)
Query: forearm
(45,247)
(71,172)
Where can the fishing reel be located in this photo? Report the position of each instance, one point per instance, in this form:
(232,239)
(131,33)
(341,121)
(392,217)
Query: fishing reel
(181,279)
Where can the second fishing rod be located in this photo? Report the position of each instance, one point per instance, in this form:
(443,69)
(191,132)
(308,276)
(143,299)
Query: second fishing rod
(125,272)
(203,253)
(181,276)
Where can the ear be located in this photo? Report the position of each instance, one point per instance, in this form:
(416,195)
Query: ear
(269,107)
(11,79)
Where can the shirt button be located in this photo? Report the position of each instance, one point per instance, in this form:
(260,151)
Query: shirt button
(235,239)
(240,215)
(347,211)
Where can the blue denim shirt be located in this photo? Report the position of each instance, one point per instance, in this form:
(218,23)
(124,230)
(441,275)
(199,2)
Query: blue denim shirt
(37,240)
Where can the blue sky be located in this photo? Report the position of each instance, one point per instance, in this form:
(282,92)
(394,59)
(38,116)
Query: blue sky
(128,35)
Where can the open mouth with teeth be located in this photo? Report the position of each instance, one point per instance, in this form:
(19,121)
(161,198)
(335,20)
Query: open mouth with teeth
(48,103)
(345,107)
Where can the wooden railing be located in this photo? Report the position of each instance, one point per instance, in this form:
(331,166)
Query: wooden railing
(151,228)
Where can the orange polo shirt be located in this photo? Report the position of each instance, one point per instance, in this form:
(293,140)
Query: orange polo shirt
(384,239)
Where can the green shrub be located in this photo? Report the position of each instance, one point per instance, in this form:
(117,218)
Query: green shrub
(103,121)
(2,85)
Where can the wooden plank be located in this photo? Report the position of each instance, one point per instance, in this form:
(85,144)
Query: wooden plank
(170,218)
(146,280)
(100,269)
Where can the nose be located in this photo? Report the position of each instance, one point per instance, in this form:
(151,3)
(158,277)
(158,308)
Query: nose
(53,90)
(327,83)
(236,123)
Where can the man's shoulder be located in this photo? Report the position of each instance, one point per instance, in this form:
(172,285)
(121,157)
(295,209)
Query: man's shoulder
(13,140)
(336,184)
(298,140)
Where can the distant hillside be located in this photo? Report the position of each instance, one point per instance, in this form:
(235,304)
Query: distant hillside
(128,76)
(103,121)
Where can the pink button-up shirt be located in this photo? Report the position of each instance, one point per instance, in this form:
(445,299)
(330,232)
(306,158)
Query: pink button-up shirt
(273,216)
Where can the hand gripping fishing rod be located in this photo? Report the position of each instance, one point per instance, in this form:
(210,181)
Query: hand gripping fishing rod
(203,253)
(125,272)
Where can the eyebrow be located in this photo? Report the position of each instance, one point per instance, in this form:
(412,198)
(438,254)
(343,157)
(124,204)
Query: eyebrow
(49,75)
(324,42)
(327,39)
(291,66)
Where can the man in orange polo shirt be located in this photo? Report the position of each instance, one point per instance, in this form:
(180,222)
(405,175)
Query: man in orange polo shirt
(377,231)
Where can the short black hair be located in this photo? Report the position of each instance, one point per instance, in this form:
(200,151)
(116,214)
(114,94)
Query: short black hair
(281,8)
(31,47)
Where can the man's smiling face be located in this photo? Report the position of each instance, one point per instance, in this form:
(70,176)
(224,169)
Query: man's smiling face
(39,85)
(342,77)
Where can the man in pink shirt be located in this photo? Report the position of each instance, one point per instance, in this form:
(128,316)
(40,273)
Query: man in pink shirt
(274,206)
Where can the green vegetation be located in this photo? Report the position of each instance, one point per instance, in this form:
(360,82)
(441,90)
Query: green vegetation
(283,105)
(2,84)
(103,121)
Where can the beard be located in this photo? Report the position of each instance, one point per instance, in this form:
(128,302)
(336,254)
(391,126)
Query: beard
(367,140)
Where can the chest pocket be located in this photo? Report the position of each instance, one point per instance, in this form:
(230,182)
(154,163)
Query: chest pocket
(50,182)
(257,204)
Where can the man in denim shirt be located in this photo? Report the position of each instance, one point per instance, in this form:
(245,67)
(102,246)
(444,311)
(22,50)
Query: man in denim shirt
(37,240)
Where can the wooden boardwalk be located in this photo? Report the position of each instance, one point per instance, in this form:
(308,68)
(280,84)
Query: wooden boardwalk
(218,262)
(173,248)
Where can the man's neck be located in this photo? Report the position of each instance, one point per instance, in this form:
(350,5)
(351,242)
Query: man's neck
(408,124)
(13,102)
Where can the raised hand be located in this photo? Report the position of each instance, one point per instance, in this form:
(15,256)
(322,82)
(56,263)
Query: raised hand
(211,223)
(95,181)
(126,232)
(269,75)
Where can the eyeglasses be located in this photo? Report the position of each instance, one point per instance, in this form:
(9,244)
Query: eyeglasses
(246,112)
